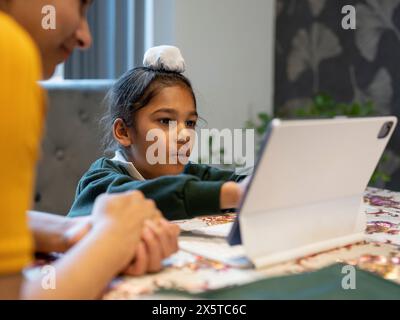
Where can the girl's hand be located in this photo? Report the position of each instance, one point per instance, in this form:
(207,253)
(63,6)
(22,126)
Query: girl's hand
(232,193)
(159,241)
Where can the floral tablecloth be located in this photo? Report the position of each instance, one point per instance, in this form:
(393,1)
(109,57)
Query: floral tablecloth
(379,253)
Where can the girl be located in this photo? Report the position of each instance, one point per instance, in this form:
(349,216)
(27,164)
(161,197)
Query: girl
(156,98)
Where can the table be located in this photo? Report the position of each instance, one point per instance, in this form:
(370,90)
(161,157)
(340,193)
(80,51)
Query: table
(379,253)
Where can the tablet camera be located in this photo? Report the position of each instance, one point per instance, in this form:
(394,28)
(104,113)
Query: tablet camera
(385,130)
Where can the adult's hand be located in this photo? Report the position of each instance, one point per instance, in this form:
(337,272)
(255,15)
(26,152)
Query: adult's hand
(159,241)
(123,218)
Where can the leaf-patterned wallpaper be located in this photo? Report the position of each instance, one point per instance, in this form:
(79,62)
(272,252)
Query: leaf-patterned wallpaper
(315,54)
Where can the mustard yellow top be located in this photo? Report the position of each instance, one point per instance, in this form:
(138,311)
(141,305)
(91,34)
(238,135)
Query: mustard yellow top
(21,121)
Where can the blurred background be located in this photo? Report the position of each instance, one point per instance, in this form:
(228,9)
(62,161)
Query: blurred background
(249,61)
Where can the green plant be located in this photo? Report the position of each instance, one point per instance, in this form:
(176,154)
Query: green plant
(324,106)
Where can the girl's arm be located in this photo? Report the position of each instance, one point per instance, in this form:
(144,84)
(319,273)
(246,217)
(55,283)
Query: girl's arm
(208,173)
(178,197)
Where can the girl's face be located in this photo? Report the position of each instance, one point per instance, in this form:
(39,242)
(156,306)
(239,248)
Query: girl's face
(55,45)
(171,117)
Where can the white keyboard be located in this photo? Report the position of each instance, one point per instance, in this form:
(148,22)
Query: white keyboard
(219,230)
(216,249)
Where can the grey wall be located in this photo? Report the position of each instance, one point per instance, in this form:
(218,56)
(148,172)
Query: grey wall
(228,46)
(72,141)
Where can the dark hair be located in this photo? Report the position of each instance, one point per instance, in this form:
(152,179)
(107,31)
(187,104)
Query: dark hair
(132,92)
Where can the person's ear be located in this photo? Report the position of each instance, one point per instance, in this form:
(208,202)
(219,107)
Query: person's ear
(121,133)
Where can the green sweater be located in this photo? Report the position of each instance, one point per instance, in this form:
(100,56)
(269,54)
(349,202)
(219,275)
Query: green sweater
(193,193)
